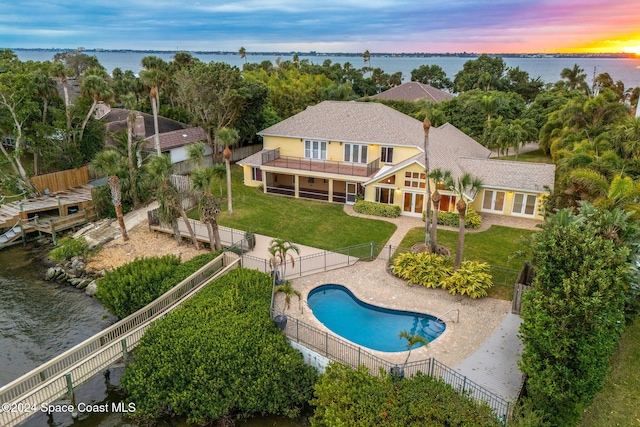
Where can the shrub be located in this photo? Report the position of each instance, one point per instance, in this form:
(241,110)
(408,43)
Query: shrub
(353,397)
(219,356)
(69,247)
(132,286)
(377,209)
(472,219)
(424,269)
(472,279)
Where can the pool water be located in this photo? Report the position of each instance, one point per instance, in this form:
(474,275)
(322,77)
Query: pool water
(367,325)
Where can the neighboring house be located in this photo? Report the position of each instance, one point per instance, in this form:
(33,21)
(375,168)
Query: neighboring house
(413,91)
(338,151)
(174,136)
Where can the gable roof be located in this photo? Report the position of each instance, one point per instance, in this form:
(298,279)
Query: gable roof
(177,138)
(413,91)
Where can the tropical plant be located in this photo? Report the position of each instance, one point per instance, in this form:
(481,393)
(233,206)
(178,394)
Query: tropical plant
(168,197)
(465,186)
(154,76)
(97,88)
(202,180)
(68,247)
(288,291)
(229,138)
(110,163)
(424,268)
(279,252)
(472,279)
(412,341)
(377,209)
(438,177)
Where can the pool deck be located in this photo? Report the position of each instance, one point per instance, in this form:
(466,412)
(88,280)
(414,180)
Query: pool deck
(483,345)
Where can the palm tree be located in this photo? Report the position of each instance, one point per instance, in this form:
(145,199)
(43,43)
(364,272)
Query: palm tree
(202,180)
(278,253)
(195,152)
(169,199)
(154,76)
(464,185)
(367,59)
(229,137)
(523,131)
(575,78)
(60,71)
(243,54)
(412,341)
(288,291)
(45,88)
(438,177)
(220,172)
(97,88)
(111,163)
(426,126)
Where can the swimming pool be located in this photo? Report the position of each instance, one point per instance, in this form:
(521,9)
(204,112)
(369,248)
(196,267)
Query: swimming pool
(367,325)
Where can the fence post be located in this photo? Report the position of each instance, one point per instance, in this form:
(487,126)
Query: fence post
(297,338)
(359,348)
(125,354)
(371,251)
(389,253)
(72,397)
(431,367)
(326,344)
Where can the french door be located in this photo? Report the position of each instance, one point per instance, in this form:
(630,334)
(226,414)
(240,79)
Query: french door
(413,203)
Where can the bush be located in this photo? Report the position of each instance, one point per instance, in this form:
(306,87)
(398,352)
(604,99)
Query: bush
(352,398)
(377,209)
(68,247)
(472,279)
(219,356)
(424,269)
(472,219)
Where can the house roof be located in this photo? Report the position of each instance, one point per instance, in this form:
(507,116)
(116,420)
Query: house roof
(116,121)
(370,123)
(177,138)
(510,175)
(253,160)
(413,91)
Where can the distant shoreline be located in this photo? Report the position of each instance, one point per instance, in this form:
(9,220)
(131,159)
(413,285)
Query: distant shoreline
(620,55)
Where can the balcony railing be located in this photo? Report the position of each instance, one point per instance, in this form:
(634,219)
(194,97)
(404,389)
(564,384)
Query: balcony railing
(273,158)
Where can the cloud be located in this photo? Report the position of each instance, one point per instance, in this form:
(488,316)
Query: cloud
(352,25)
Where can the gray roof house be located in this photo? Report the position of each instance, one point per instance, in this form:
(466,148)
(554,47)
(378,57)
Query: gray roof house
(414,91)
(336,151)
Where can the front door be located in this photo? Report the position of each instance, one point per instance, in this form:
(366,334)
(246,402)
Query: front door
(352,192)
(413,203)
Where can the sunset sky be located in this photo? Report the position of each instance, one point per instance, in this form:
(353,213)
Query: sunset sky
(496,26)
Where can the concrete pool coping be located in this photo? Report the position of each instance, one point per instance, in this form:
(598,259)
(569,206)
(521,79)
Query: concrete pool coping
(372,283)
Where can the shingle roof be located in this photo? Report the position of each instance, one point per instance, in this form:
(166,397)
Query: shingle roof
(253,160)
(511,175)
(413,91)
(177,138)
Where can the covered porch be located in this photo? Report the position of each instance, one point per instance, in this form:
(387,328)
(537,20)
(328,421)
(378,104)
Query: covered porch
(312,188)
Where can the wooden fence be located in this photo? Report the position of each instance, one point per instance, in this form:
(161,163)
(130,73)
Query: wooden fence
(61,181)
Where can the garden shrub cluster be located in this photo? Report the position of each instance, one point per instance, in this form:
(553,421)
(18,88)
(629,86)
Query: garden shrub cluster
(352,398)
(219,357)
(132,286)
(69,247)
(377,209)
(472,220)
(432,271)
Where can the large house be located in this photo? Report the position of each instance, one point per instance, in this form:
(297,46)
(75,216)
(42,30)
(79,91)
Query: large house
(338,151)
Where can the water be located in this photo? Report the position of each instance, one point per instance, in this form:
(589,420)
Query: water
(367,325)
(547,68)
(38,319)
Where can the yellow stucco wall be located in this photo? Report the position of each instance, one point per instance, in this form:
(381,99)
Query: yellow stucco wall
(508,204)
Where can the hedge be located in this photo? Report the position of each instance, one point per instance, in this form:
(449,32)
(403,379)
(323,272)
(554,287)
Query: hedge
(472,219)
(377,209)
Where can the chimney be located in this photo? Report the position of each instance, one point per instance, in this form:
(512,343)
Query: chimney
(138,129)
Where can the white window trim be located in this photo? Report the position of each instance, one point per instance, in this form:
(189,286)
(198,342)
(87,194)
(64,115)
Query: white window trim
(387,148)
(360,146)
(525,196)
(309,151)
(493,200)
(392,191)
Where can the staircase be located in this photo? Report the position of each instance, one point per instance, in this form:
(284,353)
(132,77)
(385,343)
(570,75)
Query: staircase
(10,236)
(9,214)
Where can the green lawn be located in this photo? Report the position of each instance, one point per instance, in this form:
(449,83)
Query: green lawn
(618,403)
(494,246)
(319,224)
(536,156)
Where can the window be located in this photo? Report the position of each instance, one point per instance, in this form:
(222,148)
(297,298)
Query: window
(386,155)
(414,179)
(447,203)
(524,204)
(391,180)
(384,195)
(355,153)
(315,150)
(311,180)
(493,201)
(256,174)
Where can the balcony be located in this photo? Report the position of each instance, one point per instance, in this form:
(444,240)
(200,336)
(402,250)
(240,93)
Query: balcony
(273,158)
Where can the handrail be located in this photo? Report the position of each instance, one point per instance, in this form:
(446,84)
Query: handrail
(60,363)
(447,312)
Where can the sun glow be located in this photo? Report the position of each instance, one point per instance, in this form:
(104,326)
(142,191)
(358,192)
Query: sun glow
(629,43)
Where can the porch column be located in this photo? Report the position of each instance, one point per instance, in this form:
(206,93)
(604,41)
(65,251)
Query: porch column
(296,186)
(264,182)
(330,190)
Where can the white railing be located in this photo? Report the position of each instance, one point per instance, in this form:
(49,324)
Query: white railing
(53,379)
